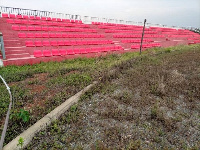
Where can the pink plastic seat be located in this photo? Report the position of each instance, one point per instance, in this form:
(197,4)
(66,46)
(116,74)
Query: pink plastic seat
(70,52)
(32,17)
(38,22)
(63,52)
(94,50)
(52,35)
(10,21)
(24,22)
(38,43)
(47,53)
(31,28)
(37,18)
(54,19)
(12,16)
(67,43)
(31,22)
(44,23)
(22,35)
(54,43)
(23,28)
(76,50)
(19,16)
(29,44)
(43,18)
(61,43)
(25,17)
(15,27)
(30,35)
(58,35)
(37,53)
(17,21)
(46,43)
(38,28)
(38,35)
(45,29)
(55,52)
(4,15)
(59,20)
(45,35)
(83,51)
(51,29)
(49,19)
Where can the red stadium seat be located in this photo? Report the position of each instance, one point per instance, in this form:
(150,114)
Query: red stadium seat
(24,22)
(19,16)
(22,35)
(37,18)
(31,28)
(47,53)
(44,23)
(51,29)
(54,43)
(10,21)
(29,44)
(61,43)
(38,23)
(43,18)
(32,17)
(83,51)
(37,53)
(46,43)
(31,22)
(62,52)
(49,23)
(55,52)
(53,19)
(76,50)
(12,16)
(45,29)
(17,21)
(4,15)
(38,35)
(45,35)
(38,28)
(52,35)
(59,20)
(38,43)
(15,27)
(58,35)
(49,19)
(30,35)
(70,52)
(67,43)
(25,17)
(23,28)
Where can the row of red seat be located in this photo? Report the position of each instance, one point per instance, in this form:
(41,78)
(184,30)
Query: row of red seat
(177,36)
(138,36)
(114,24)
(58,35)
(40,43)
(151,45)
(130,31)
(13,16)
(45,28)
(136,40)
(121,28)
(46,23)
(63,52)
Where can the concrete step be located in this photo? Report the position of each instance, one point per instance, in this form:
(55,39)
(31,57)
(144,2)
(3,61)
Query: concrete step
(17,56)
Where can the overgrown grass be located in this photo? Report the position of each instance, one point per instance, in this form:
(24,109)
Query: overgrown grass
(42,87)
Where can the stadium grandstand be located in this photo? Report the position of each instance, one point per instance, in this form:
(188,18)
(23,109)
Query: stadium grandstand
(33,36)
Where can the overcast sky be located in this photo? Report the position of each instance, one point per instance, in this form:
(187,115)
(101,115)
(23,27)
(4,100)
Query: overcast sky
(183,13)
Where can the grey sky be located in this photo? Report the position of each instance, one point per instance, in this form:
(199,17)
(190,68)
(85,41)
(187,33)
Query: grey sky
(182,13)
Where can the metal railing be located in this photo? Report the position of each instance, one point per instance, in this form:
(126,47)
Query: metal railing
(85,19)
(2,46)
